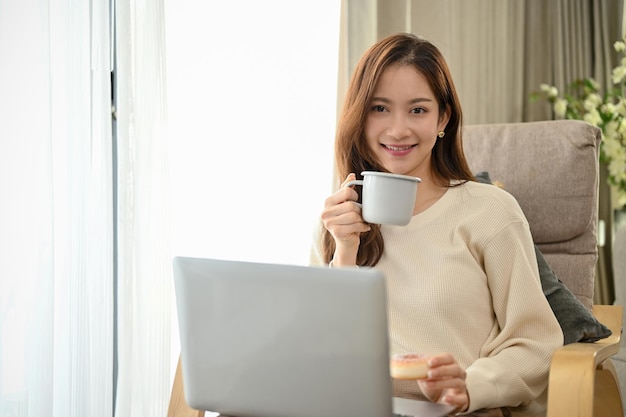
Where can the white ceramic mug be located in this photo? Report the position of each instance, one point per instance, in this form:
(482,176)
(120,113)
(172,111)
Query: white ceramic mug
(387,198)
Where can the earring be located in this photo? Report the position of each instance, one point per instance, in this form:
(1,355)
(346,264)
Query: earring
(441,134)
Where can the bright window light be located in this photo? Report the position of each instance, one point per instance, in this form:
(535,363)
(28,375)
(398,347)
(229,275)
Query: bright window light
(252,92)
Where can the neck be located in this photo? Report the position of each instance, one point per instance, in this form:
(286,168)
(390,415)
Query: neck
(428,193)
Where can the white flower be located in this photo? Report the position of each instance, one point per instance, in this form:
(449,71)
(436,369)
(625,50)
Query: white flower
(616,170)
(618,74)
(615,152)
(620,108)
(560,107)
(593,117)
(592,102)
(551,91)
(611,129)
(619,46)
(609,108)
(613,148)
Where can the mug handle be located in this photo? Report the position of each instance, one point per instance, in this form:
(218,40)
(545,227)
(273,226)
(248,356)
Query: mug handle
(355,182)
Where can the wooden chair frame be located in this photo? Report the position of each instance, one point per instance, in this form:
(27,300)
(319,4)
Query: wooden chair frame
(582,380)
(178,406)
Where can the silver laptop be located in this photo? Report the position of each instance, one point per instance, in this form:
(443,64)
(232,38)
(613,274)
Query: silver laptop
(266,340)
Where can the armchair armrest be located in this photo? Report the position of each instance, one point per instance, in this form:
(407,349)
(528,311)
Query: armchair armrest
(582,380)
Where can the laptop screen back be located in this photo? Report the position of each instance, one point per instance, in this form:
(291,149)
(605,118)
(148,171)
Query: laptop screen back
(264,340)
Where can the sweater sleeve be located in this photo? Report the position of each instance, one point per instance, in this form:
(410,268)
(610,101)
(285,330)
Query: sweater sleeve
(514,365)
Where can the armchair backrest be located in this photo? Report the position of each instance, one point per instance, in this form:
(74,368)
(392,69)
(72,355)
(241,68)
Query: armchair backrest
(551,168)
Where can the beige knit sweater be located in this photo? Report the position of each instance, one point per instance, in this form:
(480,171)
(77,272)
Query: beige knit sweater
(462,278)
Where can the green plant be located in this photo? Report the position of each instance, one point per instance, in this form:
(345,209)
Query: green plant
(583,100)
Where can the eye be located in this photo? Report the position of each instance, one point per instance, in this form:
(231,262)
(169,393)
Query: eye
(378,108)
(418,110)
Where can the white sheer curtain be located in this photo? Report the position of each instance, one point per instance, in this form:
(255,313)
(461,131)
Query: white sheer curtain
(144,279)
(56,296)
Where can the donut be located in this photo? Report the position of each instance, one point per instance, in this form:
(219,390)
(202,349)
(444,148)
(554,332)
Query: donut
(409,366)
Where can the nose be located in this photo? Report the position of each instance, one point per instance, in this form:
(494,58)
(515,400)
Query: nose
(398,127)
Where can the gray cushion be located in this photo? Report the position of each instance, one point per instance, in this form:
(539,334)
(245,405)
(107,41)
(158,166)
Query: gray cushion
(577,323)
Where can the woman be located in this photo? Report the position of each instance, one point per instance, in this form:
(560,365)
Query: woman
(462,275)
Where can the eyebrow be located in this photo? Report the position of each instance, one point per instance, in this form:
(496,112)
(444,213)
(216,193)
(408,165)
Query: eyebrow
(413,101)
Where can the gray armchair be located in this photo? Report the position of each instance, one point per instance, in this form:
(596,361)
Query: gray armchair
(551,167)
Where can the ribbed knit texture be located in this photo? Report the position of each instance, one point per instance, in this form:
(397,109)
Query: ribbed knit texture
(462,278)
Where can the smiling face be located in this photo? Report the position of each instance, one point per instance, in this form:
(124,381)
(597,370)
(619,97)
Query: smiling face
(403,121)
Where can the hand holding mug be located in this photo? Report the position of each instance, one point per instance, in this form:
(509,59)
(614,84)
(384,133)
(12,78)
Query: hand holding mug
(342,218)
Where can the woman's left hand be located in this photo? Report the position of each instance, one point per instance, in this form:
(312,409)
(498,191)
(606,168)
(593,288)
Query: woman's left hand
(446,382)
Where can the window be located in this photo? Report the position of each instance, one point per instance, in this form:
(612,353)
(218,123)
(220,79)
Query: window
(251,98)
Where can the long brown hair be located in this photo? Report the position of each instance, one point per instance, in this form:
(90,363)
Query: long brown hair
(351,151)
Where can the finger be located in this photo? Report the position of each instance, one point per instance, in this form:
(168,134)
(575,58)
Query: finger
(342,195)
(345,212)
(447,371)
(347,219)
(343,220)
(443,383)
(458,399)
(441,359)
(449,391)
(351,177)
(454,398)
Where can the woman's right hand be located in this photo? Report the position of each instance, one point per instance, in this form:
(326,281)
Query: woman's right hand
(446,382)
(342,218)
